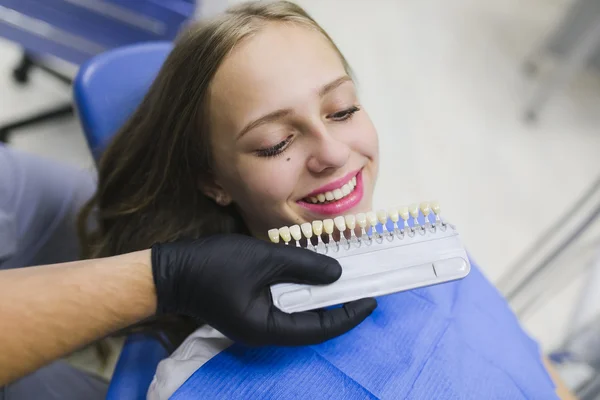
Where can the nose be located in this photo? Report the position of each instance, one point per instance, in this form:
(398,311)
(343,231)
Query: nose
(328,153)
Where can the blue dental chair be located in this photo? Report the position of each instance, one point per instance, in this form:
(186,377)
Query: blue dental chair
(107,89)
(76,30)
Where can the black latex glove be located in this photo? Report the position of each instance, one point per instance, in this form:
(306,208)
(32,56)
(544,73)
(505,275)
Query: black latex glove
(224,281)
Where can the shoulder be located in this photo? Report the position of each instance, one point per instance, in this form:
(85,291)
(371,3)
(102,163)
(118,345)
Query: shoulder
(31,178)
(39,200)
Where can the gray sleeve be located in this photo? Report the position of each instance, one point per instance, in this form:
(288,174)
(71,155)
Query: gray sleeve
(8,236)
(39,202)
(57,381)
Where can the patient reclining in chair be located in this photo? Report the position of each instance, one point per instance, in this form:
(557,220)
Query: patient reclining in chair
(254,122)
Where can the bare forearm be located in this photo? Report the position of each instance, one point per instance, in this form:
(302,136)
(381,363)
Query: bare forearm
(50,311)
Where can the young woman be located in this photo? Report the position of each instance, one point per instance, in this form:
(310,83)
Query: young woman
(253,116)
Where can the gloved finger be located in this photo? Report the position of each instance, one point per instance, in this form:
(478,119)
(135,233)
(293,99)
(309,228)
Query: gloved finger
(303,266)
(307,328)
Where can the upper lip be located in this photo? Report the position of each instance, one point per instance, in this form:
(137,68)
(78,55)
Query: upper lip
(336,184)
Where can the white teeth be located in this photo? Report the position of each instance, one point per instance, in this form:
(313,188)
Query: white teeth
(340,223)
(372,218)
(336,194)
(284,232)
(350,221)
(361,220)
(328,226)
(274,235)
(306,230)
(382,217)
(295,232)
(317,228)
(393,215)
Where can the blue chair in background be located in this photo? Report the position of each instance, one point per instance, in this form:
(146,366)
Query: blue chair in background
(107,89)
(77,30)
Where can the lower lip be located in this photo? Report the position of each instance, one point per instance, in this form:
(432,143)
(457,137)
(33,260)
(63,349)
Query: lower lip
(340,206)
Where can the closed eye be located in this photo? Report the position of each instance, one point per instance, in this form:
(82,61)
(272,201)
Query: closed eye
(345,114)
(276,150)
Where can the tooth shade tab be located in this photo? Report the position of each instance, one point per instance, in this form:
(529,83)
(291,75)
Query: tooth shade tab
(284,232)
(372,218)
(317,227)
(328,226)
(368,232)
(382,217)
(295,232)
(361,220)
(350,221)
(403,211)
(340,223)
(307,230)
(274,235)
(413,210)
(435,207)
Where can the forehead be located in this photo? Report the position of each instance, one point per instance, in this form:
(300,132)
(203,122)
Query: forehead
(280,65)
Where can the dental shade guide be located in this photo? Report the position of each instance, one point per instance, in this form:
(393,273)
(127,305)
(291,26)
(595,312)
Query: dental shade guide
(380,254)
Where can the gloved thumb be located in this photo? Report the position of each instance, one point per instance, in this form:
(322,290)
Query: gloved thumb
(303,266)
(311,327)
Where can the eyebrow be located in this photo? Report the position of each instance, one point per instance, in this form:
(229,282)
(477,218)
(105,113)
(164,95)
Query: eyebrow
(334,85)
(270,117)
(279,114)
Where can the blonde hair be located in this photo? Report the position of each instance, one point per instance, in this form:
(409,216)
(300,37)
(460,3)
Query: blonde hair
(148,185)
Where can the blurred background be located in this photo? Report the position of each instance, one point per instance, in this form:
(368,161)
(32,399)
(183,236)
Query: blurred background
(491,107)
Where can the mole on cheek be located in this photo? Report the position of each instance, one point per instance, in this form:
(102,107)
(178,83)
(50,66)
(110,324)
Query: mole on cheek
(288,159)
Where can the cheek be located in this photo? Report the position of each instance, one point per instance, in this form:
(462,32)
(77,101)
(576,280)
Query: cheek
(268,182)
(364,139)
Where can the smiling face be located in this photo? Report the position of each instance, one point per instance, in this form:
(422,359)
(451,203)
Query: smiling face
(291,142)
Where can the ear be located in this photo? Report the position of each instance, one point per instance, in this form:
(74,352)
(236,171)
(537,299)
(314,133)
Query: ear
(216,192)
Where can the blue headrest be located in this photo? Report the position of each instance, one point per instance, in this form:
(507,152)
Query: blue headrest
(110,86)
(136,367)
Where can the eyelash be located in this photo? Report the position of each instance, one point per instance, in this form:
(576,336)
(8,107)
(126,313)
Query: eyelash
(281,147)
(276,150)
(344,115)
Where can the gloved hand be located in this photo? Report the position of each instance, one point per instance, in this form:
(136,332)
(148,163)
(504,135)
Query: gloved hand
(224,280)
